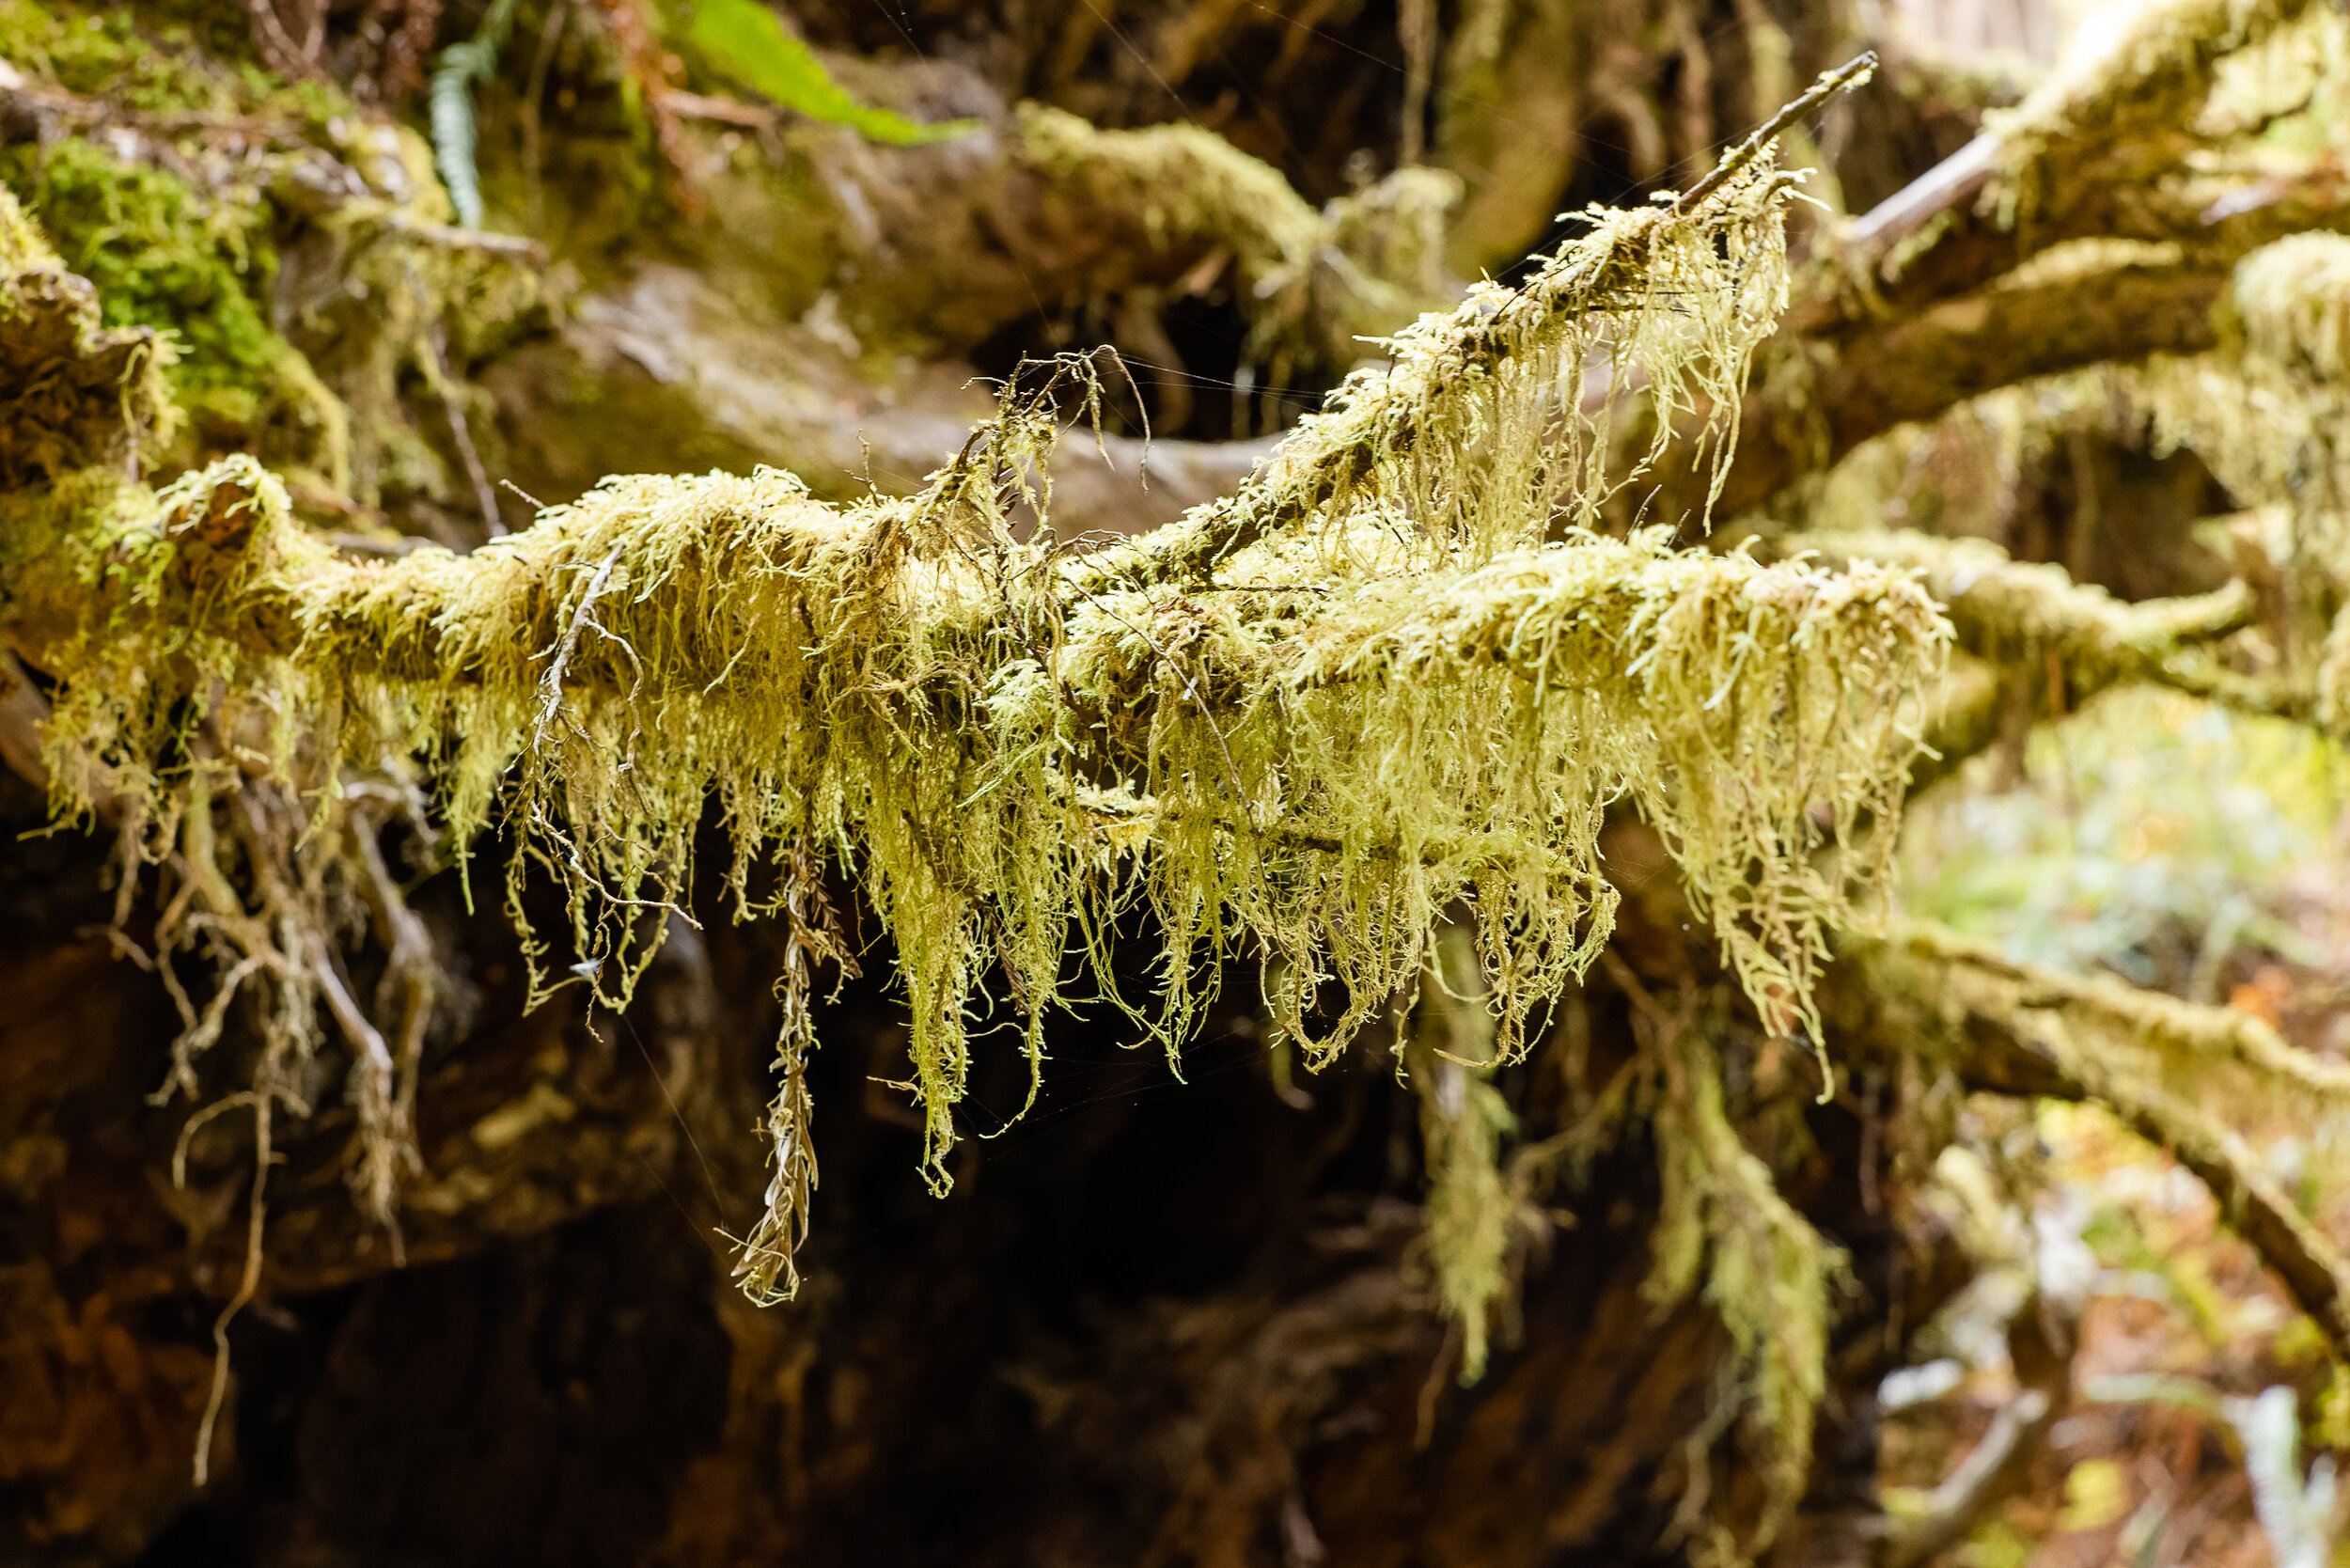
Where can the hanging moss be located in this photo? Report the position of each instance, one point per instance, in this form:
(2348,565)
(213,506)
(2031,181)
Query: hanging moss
(1293,769)
(1389,680)
(1766,1271)
(1463,1119)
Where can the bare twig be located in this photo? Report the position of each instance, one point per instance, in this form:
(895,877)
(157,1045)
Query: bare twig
(551,684)
(485,496)
(1843,78)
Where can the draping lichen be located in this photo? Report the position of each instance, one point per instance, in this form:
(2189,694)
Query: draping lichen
(1766,1270)
(1463,1119)
(1318,725)
(1318,764)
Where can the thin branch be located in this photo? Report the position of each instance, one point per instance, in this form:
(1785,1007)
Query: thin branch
(2019,1028)
(1843,78)
(1983,1478)
(1954,180)
(461,432)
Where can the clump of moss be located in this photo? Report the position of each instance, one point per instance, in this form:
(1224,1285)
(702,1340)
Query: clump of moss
(186,233)
(1312,280)
(2268,411)
(164,256)
(159,254)
(106,52)
(149,61)
(73,394)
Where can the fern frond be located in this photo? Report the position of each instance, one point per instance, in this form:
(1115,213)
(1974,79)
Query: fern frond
(450,103)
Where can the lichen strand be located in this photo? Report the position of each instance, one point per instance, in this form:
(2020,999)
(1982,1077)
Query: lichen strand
(1766,1270)
(1525,412)
(1463,1119)
(73,394)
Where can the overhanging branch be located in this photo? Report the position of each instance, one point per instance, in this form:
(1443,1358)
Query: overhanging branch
(2158,1063)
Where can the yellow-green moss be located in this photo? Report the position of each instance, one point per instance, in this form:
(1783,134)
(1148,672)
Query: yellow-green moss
(1463,1119)
(1315,745)
(163,255)
(72,393)
(1766,1271)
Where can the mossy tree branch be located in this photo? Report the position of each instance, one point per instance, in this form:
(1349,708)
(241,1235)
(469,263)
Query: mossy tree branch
(2167,1068)
(1011,744)
(1934,300)
(2036,645)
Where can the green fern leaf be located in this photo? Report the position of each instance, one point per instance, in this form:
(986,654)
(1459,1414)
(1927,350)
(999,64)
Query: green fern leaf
(451,104)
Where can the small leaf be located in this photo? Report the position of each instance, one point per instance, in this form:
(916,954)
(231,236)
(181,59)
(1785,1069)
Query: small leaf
(2096,1493)
(741,40)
